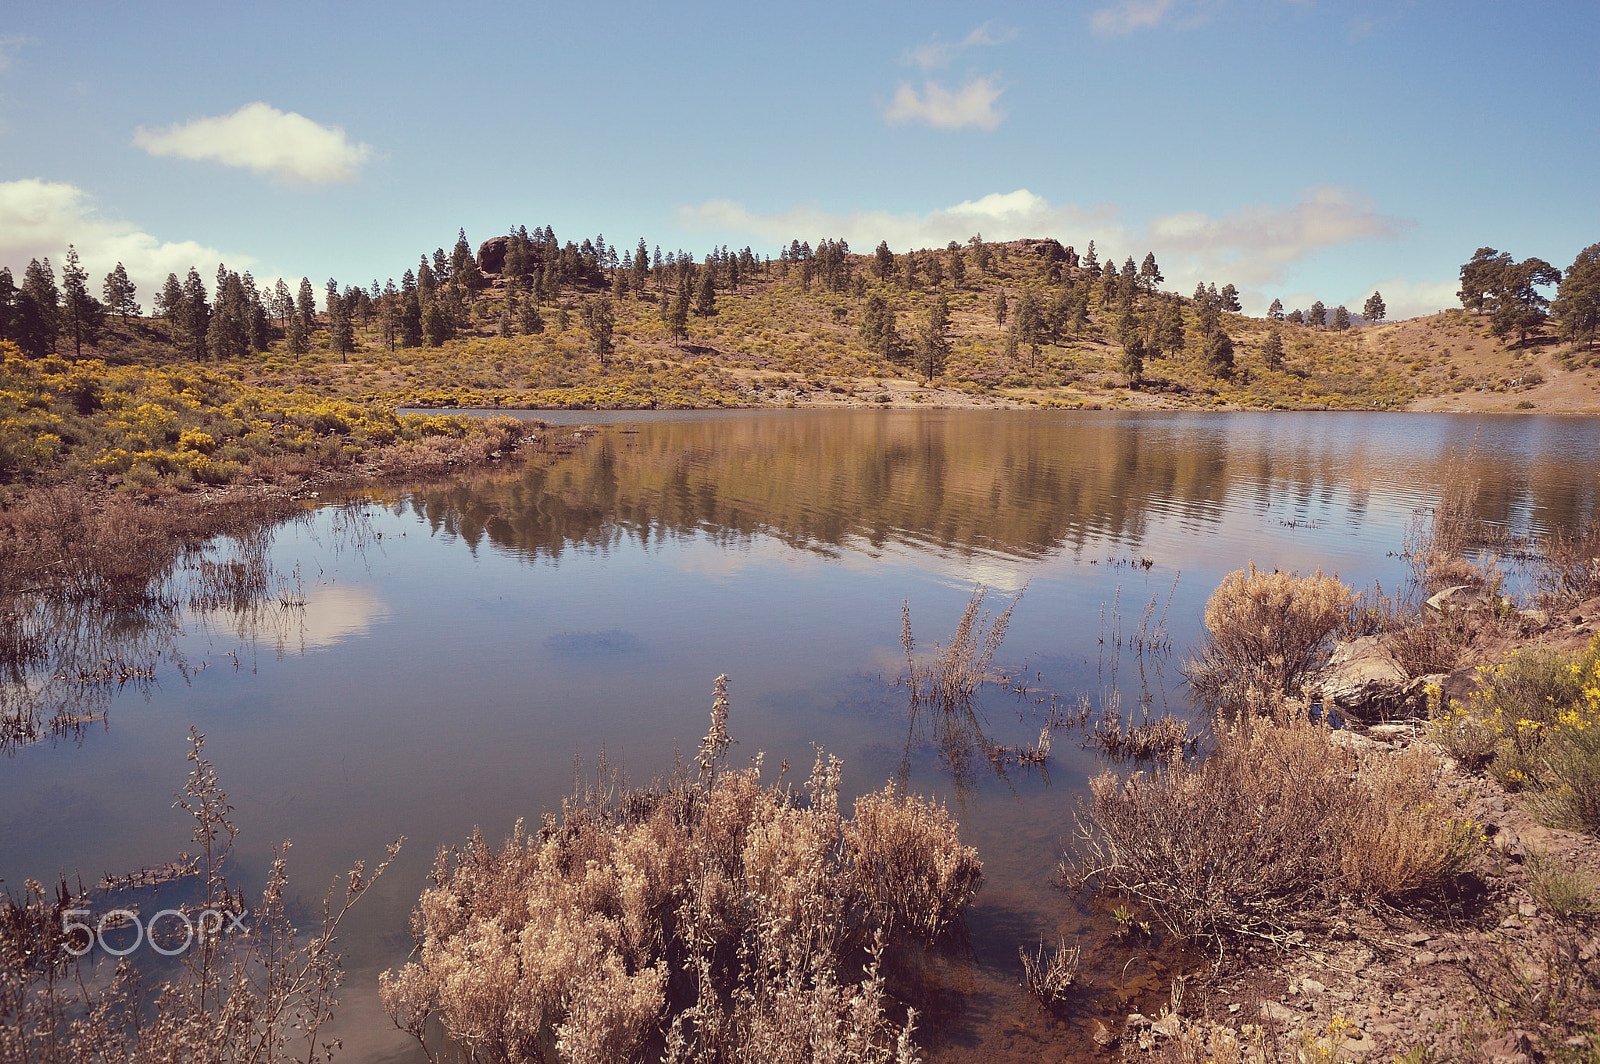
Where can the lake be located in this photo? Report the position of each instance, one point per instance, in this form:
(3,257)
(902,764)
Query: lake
(465,648)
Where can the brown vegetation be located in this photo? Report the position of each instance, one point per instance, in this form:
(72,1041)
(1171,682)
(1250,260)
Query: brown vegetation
(713,918)
(261,996)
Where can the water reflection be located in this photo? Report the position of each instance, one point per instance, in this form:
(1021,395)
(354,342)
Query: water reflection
(1011,486)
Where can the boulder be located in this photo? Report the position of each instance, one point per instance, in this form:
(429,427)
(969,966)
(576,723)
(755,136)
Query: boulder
(1467,599)
(1362,680)
(492,254)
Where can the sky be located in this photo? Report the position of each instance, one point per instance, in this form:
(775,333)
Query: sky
(1298,149)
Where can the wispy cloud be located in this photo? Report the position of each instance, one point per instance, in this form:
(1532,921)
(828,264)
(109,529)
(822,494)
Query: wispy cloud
(1255,244)
(936,53)
(1126,16)
(40,218)
(261,138)
(1253,247)
(1405,298)
(973,104)
(9,46)
(997,216)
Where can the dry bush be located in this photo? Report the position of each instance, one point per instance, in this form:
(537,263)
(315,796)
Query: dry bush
(1568,570)
(711,918)
(1048,975)
(1277,821)
(1266,631)
(261,996)
(1452,544)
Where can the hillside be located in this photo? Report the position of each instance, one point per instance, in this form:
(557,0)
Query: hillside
(815,328)
(778,336)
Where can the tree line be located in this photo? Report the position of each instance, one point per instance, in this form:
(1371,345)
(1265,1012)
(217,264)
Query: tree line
(1494,283)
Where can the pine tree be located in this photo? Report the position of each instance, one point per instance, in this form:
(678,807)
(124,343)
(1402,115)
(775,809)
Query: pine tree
(1481,277)
(1341,318)
(1150,273)
(38,313)
(1219,355)
(119,294)
(933,347)
(1516,304)
(1091,262)
(1029,324)
(83,312)
(1577,304)
(877,326)
(678,324)
(1272,349)
(1169,328)
(435,325)
(1230,299)
(410,317)
(1000,309)
(1275,312)
(306,306)
(529,320)
(599,318)
(1317,318)
(196,322)
(8,304)
(1374,310)
(957,268)
(705,303)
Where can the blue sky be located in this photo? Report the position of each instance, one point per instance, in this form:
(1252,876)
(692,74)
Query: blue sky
(1300,149)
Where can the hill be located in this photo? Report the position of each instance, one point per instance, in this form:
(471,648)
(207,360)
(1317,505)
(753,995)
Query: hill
(1024,323)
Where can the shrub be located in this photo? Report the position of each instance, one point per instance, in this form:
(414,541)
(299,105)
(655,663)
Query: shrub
(1276,822)
(718,910)
(1266,631)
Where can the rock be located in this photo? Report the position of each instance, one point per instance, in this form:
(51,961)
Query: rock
(1168,1026)
(1102,1035)
(1311,986)
(1278,1012)
(1525,909)
(1356,741)
(1362,680)
(1137,1019)
(1514,1048)
(1425,958)
(1390,732)
(1466,598)
(492,254)
(1537,620)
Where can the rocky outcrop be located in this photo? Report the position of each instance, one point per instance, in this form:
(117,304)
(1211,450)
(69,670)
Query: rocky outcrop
(492,254)
(1363,681)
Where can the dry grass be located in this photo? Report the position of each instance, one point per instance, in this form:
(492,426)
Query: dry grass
(1569,569)
(950,680)
(1277,821)
(1266,631)
(709,919)
(1048,975)
(263,996)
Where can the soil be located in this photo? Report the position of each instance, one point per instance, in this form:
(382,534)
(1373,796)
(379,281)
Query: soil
(1427,976)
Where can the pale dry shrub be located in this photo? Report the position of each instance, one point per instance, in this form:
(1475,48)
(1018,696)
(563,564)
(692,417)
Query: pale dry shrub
(707,918)
(1266,631)
(1276,822)
(910,865)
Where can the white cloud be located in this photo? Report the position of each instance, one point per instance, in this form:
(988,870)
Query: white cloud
(1126,16)
(970,105)
(937,53)
(1404,298)
(1255,245)
(261,138)
(40,218)
(998,216)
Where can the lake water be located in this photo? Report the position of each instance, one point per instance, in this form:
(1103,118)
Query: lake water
(462,645)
